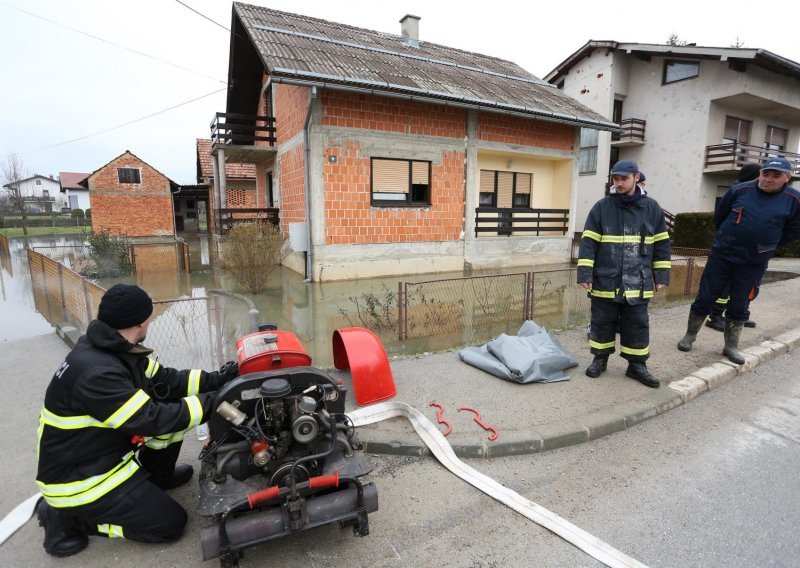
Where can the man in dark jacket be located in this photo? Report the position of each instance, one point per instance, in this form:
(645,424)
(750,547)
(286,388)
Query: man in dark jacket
(624,256)
(752,220)
(111,430)
(716,320)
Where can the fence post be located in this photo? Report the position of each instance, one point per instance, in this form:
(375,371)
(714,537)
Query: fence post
(61,292)
(687,286)
(401,311)
(87,302)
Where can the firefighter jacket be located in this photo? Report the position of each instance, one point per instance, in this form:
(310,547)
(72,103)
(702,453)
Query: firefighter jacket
(625,248)
(105,392)
(752,224)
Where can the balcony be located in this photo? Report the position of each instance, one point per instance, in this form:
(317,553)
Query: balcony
(632,133)
(231,217)
(729,158)
(505,221)
(245,138)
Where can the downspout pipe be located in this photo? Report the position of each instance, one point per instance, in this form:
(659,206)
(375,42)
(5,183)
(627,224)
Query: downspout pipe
(307,155)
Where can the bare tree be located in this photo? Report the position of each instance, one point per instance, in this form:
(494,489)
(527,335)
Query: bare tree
(13,172)
(673,39)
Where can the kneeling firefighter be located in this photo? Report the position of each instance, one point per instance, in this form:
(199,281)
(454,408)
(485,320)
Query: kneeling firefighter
(111,430)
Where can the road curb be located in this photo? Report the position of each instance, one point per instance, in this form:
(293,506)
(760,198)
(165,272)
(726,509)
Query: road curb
(600,423)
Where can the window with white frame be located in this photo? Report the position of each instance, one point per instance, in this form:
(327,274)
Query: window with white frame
(587,160)
(397,182)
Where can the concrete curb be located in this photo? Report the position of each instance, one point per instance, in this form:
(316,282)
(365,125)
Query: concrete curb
(608,420)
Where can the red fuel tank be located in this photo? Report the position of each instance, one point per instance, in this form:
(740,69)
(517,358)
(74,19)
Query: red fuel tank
(268,350)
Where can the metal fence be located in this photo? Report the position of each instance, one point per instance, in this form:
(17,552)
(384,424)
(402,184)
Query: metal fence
(482,306)
(185,332)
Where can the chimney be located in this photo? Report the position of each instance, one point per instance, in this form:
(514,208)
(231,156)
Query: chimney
(409,29)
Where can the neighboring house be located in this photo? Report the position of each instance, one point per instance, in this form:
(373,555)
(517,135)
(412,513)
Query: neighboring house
(41,194)
(77,195)
(691,116)
(130,197)
(242,191)
(390,155)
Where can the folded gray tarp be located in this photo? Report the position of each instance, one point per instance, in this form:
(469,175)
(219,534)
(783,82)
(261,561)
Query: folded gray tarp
(531,356)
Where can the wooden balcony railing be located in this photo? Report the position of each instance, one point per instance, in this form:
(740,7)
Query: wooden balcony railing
(734,155)
(505,221)
(632,131)
(242,129)
(231,217)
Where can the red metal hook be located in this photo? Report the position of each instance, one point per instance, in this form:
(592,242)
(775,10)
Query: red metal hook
(493,433)
(439,411)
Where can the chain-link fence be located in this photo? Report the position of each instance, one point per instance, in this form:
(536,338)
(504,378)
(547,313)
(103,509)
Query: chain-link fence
(185,332)
(483,306)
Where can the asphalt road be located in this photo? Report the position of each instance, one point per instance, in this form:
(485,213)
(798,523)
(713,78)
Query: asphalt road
(712,483)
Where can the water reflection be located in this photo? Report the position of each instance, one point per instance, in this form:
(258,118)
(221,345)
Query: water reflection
(311,310)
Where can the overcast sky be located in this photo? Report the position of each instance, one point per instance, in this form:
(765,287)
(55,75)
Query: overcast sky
(58,84)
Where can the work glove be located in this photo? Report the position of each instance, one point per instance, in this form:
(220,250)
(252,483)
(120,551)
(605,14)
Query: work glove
(229,371)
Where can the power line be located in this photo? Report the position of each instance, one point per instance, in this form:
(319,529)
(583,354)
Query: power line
(202,15)
(117,126)
(143,54)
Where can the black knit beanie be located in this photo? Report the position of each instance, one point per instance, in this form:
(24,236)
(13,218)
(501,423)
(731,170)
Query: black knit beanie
(749,172)
(124,305)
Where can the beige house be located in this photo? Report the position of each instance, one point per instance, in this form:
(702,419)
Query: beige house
(691,116)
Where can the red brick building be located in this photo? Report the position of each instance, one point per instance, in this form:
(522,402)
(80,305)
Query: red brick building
(130,197)
(391,155)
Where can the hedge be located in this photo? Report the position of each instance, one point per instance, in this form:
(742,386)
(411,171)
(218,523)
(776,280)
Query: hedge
(44,221)
(697,230)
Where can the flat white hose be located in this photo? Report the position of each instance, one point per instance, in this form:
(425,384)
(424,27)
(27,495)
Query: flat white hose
(18,516)
(441,448)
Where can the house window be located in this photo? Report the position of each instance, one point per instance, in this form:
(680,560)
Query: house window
(736,130)
(129,175)
(675,71)
(46,193)
(587,162)
(400,182)
(505,189)
(776,139)
(38,182)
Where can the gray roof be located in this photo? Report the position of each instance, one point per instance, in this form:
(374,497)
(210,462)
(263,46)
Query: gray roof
(303,50)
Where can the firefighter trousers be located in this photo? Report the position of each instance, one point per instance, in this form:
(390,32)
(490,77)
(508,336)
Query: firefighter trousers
(136,510)
(744,281)
(634,329)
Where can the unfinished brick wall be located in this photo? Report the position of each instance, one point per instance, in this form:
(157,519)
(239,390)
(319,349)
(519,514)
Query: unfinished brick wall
(133,209)
(373,112)
(350,218)
(291,105)
(494,127)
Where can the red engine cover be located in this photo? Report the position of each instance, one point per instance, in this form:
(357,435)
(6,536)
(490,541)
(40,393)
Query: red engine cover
(267,350)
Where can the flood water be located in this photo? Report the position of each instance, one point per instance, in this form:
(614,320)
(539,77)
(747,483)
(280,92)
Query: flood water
(311,310)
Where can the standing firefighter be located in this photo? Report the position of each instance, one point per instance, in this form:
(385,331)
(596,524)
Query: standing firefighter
(624,256)
(111,429)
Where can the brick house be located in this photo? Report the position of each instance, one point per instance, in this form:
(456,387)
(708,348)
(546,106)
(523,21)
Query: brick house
(389,155)
(130,197)
(691,116)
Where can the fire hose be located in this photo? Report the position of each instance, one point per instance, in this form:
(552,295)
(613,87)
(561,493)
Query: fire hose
(443,452)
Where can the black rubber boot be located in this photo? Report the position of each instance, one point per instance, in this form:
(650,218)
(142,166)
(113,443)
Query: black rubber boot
(749,323)
(694,325)
(716,322)
(733,330)
(597,367)
(638,370)
(181,475)
(58,541)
